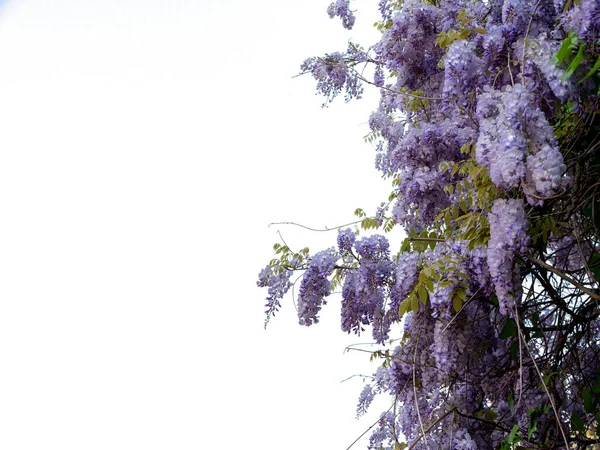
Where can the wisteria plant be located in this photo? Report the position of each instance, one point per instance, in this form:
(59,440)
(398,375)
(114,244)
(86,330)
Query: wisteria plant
(488,128)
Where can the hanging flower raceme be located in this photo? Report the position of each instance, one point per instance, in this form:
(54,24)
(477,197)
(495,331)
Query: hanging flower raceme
(315,286)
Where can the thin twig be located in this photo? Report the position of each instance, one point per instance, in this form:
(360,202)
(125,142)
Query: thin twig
(356,375)
(433,424)
(356,344)
(395,91)
(315,229)
(420,239)
(512,81)
(367,430)
(564,276)
(283,240)
(520,361)
(415,392)
(556,415)
(525,39)
(461,308)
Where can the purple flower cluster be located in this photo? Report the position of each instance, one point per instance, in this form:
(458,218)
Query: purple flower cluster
(379,76)
(414,157)
(493,44)
(384,436)
(423,197)
(464,72)
(365,399)
(517,143)
(333,76)
(391,130)
(340,8)
(508,237)
(584,19)
(545,173)
(501,145)
(315,286)
(515,16)
(407,272)
(385,8)
(380,213)
(408,47)
(542,54)
(435,353)
(345,240)
(461,440)
(365,289)
(278,283)
(373,248)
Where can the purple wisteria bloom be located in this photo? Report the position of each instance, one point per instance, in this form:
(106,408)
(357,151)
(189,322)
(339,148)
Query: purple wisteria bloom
(333,76)
(341,9)
(345,240)
(277,280)
(508,237)
(315,286)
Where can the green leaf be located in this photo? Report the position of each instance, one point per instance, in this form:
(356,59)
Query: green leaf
(455,169)
(457,299)
(544,233)
(447,218)
(414,303)
(423,294)
(595,69)
(588,403)
(596,386)
(512,437)
(514,350)
(577,423)
(404,307)
(509,329)
(429,285)
(454,210)
(565,49)
(456,303)
(575,63)
(427,272)
(533,422)
(466,149)
(594,265)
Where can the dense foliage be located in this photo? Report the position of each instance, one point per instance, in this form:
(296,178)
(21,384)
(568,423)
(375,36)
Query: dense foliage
(488,128)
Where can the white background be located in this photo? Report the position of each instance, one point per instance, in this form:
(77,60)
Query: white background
(145,146)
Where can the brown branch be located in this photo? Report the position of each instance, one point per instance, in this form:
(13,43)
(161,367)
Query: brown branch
(564,276)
